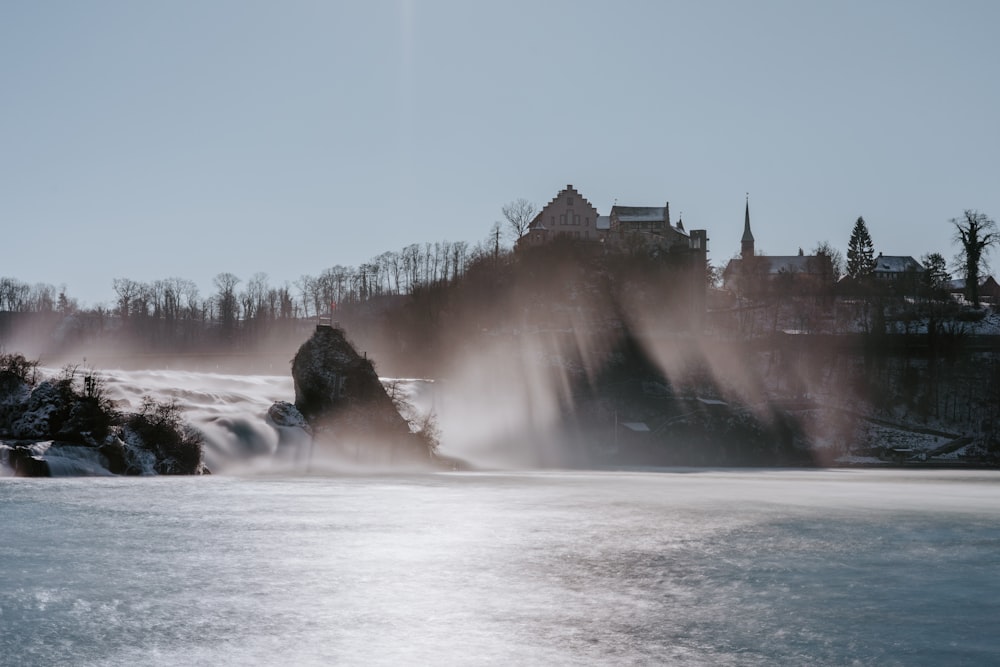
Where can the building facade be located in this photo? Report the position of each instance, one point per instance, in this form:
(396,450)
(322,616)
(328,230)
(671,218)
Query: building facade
(568,215)
(645,227)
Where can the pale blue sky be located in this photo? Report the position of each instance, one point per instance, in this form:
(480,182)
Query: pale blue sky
(149,140)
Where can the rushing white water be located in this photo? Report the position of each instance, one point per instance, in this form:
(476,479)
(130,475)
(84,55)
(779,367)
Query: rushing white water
(230,411)
(697,568)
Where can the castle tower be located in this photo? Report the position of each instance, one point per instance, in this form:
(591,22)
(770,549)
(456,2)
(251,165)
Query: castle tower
(746,243)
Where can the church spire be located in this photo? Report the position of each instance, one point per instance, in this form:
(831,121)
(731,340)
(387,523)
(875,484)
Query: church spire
(746,244)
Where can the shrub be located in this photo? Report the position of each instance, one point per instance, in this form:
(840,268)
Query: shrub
(970,315)
(15,368)
(85,410)
(177,446)
(428,431)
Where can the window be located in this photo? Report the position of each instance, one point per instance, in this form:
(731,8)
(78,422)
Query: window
(562,219)
(569,200)
(576,219)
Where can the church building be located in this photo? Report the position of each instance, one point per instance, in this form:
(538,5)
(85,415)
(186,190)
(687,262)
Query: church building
(750,271)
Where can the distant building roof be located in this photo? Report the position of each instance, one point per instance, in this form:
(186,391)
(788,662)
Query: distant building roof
(641,213)
(897,264)
(791,264)
(958,284)
(777,264)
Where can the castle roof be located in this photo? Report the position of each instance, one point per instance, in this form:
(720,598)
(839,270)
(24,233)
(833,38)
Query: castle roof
(641,213)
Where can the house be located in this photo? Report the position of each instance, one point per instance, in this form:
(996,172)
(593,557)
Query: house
(752,272)
(568,215)
(900,274)
(897,269)
(989,289)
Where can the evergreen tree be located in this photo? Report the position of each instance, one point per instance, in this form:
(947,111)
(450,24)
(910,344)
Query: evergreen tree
(936,273)
(860,252)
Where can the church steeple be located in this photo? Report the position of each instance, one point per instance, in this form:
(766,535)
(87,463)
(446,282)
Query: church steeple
(746,244)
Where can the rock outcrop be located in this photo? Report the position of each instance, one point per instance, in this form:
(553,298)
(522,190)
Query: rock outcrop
(351,415)
(286,415)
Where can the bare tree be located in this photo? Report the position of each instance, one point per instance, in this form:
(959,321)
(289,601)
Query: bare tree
(836,258)
(458,254)
(445,260)
(189,293)
(126,290)
(253,298)
(12,294)
(43,295)
(142,301)
(393,268)
(519,214)
(307,288)
(228,306)
(286,303)
(493,241)
(411,265)
(978,234)
(326,294)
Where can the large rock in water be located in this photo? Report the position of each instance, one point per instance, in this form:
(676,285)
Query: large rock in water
(340,395)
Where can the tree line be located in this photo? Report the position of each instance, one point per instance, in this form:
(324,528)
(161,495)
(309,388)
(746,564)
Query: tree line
(234,299)
(172,314)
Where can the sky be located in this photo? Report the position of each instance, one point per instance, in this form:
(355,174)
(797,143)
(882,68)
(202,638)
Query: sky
(150,140)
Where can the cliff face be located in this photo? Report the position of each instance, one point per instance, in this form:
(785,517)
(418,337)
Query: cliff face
(340,395)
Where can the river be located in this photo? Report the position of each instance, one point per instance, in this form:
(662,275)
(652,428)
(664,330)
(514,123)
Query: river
(697,567)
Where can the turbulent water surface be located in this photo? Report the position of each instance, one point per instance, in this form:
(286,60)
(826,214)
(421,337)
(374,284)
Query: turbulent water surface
(668,567)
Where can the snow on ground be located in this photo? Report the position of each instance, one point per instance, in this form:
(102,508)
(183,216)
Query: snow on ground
(988,326)
(849,459)
(886,436)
